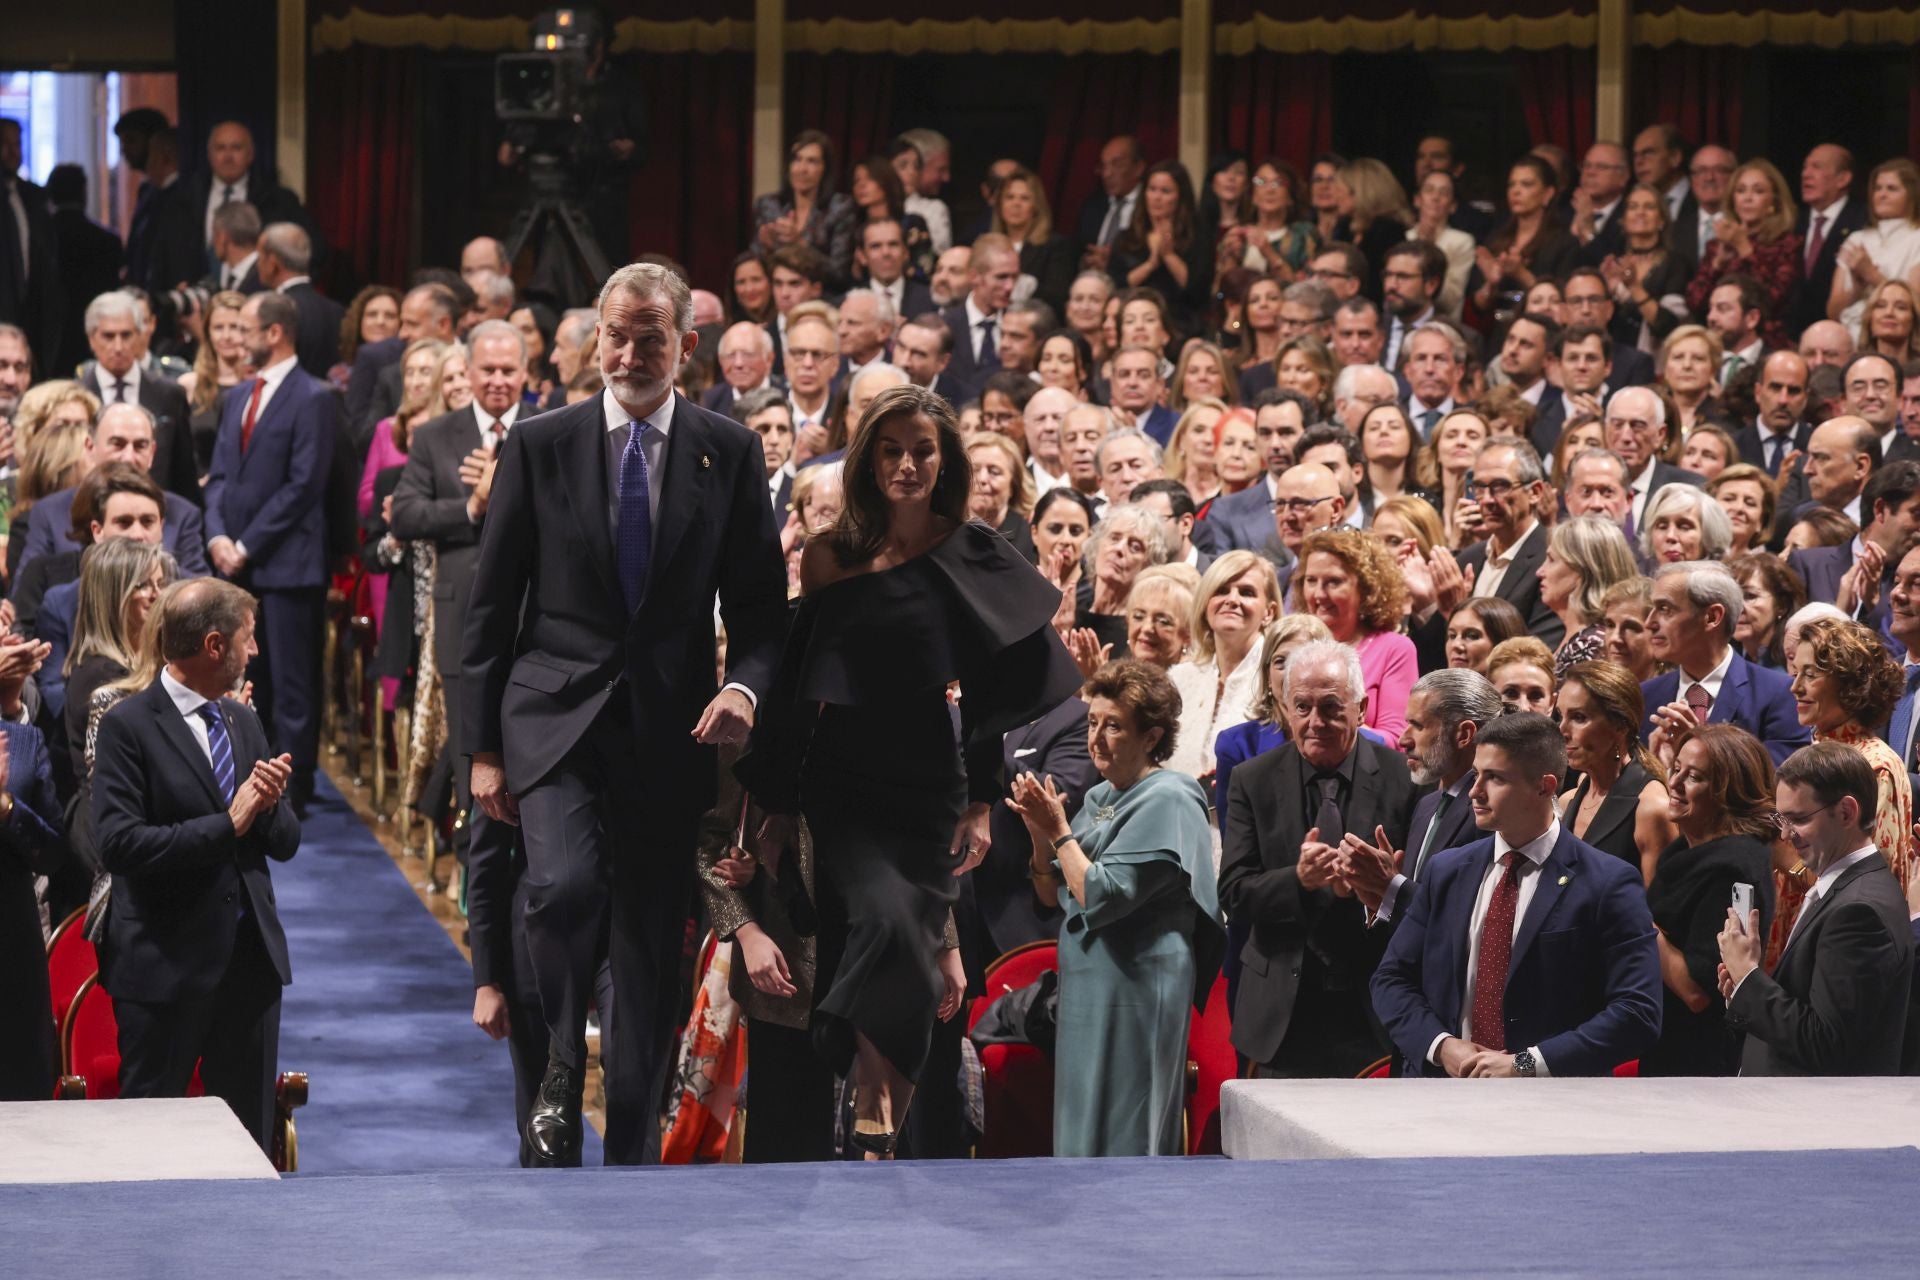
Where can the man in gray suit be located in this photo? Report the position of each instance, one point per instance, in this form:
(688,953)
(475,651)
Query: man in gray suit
(1836,1004)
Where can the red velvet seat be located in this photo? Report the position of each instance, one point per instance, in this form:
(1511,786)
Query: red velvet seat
(1018,1079)
(71,960)
(1211,1060)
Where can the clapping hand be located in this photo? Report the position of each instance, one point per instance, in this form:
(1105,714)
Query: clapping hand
(1673,724)
(476,473)
(1088,653)
(1041,805)
(1449,583)
(1319,866)
(260,792)
(1860,586)
(1367,869)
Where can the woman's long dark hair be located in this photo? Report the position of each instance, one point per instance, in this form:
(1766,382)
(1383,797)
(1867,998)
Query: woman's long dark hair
(1134,238)
(862,528)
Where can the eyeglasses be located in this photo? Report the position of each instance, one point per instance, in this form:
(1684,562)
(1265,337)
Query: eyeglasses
(1321,273)
(1781,820)
(1491,488)
(1298,506)
(1264,183)
(808,357)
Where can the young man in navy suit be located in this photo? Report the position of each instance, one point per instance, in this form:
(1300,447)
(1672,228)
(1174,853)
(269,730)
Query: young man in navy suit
(266,522)
(1529,953)
(1695,606)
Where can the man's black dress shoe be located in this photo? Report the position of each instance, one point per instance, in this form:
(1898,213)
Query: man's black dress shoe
(553,1125)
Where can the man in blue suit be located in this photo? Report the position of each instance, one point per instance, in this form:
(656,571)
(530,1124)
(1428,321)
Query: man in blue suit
(1890,516)
(1695,606)
(1529,953)
(267,523)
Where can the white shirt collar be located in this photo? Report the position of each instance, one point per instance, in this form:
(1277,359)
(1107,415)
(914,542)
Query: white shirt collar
(275,374)
(186,700)
(1534,850)
(1533,393)
(660,419)
(491,424)
(217,190)
(1852,509)
(1532,527)
(238,271)
(975,315)
(1605,211)
(1712,680)
(291,281)
(1831,213)
(1834,872)
(131,377)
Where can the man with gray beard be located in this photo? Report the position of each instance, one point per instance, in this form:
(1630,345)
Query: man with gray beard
(1445,713)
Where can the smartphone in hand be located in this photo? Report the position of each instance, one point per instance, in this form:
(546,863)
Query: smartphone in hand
(1743,904)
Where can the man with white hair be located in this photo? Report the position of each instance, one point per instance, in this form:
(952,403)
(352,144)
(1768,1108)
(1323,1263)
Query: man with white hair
(866,324)
(1044,417)
(1432,360)
(588,663)
(286,255)
(1636,429)
(1357,390)
(1826,342)
(1126,458)
(493,298)
(117,377)
(746,366)
(1301,1009)
(1695,606)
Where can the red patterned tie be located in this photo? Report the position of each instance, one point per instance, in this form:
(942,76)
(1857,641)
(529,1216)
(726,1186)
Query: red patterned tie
(1700,702)
(253,409)
(1489,1025)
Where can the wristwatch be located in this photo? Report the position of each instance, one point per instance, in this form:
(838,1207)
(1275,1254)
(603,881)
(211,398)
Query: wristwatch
(1523,1063)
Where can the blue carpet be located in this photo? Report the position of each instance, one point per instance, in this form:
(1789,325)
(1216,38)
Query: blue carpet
(380,1016)
(1747,1215)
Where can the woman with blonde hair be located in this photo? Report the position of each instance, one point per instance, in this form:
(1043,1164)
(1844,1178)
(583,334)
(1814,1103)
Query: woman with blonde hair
(1442,465)
(1374,213)
(1585,557)
(1619,805)
(1754,237)
(1521,670)
(1888,324)
(1021,214)
(1749,497)
(1305,364)
(1238,596)
(1347,579)
(387,450)
(61,400)
(1002,494)
(1159,621)
(1887,248)
(1202,373)
(223,361)
(1688,365)
(452,386)
(1189,457)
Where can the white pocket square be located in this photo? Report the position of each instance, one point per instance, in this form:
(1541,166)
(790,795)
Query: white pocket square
(1024,751)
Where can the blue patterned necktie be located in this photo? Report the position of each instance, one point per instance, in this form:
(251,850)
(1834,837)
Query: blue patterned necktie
(219,748)
(635,538)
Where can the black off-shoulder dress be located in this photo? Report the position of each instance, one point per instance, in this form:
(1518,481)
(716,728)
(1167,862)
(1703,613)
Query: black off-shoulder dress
(858,735)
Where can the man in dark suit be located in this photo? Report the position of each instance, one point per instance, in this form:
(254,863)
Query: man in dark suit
(1301,1008)
(236,250)
(769,414)
(373,388)
(1598,201)
(1529,952)
(1842,455)
(746,366)
(588,663)
(33,843)
(1890,505)
(1245,520)
(188,806)
(1587,301)
(231,175)
(1109,211)
(975,322)
(1903,627)
(1836,1003)
(286,254)
(1695,606)
(117,377)
(1136,391)
(1511,490)
(1710,179)
(1780,391)
(1636,427)
(1445,712)
(122,433)
(32,289)
(1525,354)
(147,148)
(1828,215)
(90,259)
(267,523)
(882,250)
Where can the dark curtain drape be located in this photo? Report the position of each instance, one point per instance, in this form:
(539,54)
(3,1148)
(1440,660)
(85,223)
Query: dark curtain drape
(1556,92)
(690,200)
(848,97)
(223,55)
(1273,105)
(360,166)
(1095,97)
(1694,87)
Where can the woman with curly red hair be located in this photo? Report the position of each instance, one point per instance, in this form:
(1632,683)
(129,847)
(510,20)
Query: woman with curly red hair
(1349,580)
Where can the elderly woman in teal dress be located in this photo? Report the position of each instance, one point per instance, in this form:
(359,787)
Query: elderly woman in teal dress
(1142,938)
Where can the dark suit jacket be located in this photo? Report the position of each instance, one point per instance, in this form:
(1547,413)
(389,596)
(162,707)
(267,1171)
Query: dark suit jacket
(962,367)
(548,636)
(1584,981)
(369,362)
(181,877)
(1758,699)
(1609,238)
(184,532)
(1836,1004)
(37,303)
(176,246)
(1520,585)
(1241,521)
(273,202)
(1457,827)
(32,843)
(950,388)
(173,463)
(719,397)
(317,331)
(1809,303)
(430,502)
(1159,424)
(1683,236)
(1051,263)
(1260,885)
(1548,422)
(248,284)
(271,498)
(916,300)
(1754,451)
(1055,745)
(1821,568)
(1632,367)
(90,259)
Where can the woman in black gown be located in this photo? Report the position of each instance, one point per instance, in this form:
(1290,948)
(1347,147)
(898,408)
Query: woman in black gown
(900,600)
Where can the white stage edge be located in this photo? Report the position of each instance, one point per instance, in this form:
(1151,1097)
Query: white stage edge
(126,1140)
(1373,1119)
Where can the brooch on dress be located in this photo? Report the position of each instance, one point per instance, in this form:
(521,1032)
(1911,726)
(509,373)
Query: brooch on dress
(1105,813)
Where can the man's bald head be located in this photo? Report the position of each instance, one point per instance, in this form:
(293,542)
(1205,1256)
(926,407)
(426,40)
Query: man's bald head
(1826,342)
(483,256)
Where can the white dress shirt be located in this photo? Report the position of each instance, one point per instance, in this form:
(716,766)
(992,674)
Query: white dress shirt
(1639,489)
(1494,572)
(493,430)
(1852,510)
(1712,681)
(189,703)
(217,196)
(1534,853)
(1118,218)
(974,318)
(232,276)
(653,444)
(1676,196)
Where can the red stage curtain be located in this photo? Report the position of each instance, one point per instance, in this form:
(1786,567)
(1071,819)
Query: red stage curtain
(1556,91)
(1095,97)
(1693,87)
(848,97)
(360,169)
(1268,105)
(691,199)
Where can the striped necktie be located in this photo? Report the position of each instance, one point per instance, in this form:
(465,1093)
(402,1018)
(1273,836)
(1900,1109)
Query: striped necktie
(219,748)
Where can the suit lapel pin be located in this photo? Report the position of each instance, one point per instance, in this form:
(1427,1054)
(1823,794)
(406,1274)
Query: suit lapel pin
(1563,881)
(705,462)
